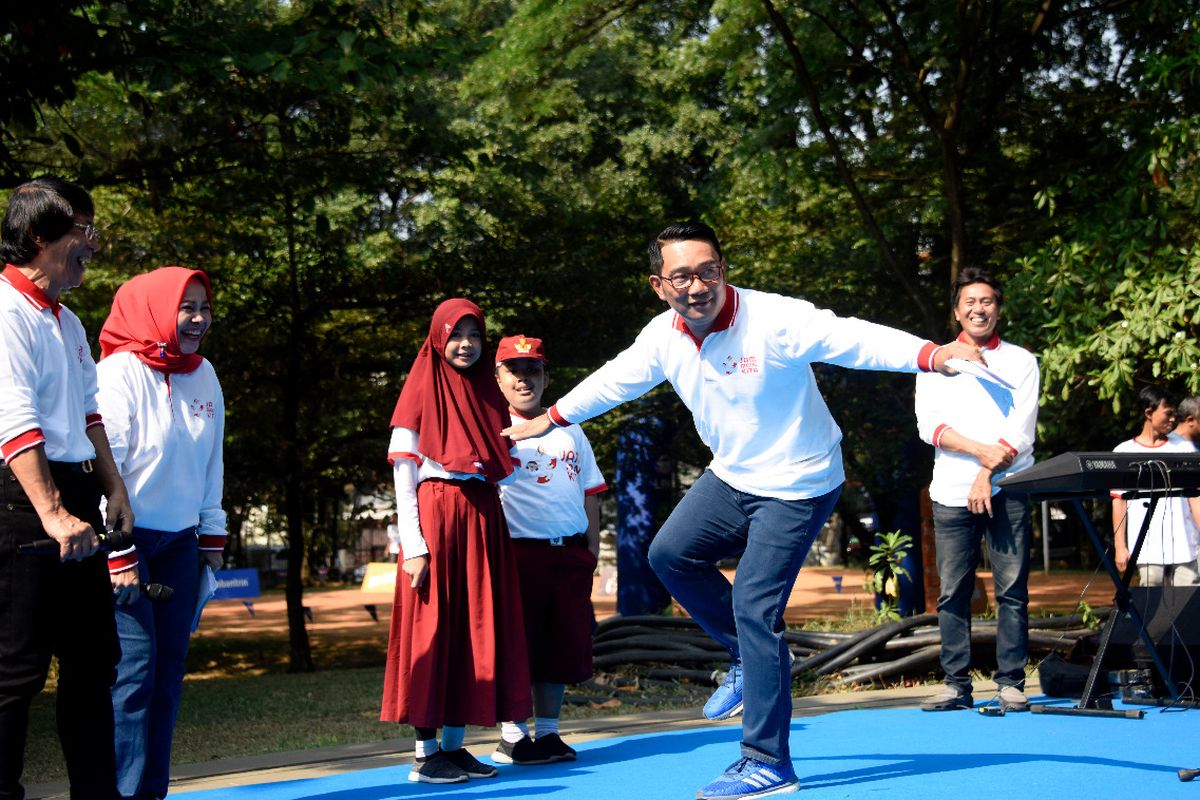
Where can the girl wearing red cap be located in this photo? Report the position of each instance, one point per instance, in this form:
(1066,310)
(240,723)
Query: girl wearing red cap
(456,650)
(164,415)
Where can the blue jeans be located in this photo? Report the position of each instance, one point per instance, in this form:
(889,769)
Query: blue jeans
(154,642)
(958,534)
(713,522)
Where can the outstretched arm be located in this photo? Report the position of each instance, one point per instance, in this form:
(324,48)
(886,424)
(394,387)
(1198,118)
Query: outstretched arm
(528,428)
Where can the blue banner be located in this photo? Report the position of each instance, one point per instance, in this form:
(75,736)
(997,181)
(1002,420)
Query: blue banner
(237,583)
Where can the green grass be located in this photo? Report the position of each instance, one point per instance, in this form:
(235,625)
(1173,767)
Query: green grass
(228,717)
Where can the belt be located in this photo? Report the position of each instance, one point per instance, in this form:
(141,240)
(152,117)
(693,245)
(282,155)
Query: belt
(576,540)
(75,467)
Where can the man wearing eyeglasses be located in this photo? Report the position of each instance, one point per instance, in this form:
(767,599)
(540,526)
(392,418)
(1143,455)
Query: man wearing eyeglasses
(741,362)
(56,464)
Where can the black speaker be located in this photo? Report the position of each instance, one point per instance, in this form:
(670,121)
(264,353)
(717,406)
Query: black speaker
(1172,618)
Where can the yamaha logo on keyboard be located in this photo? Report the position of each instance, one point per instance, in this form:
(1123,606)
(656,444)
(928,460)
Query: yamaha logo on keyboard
(1099,463)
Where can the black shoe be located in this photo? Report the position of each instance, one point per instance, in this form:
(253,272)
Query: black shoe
(553,746)
(471,765)
(525,752)
(437,768)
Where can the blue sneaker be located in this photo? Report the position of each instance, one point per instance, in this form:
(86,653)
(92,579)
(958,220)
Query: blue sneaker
(726,701)
(748,777)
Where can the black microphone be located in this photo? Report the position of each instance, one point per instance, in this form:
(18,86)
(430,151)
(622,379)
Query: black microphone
(109,541)
(157,592)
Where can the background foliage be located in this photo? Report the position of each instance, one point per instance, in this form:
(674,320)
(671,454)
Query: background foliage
(340,166)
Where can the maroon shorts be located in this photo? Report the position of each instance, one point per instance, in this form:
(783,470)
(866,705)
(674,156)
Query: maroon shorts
(556,595)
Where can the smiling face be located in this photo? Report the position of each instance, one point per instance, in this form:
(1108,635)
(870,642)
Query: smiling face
(978,312)
(700,302)
(195,316)
(465,344)
(522,381)
(61,263)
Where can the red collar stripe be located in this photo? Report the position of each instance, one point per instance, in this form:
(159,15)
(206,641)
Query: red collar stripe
(723,321)
(991,344)
(33,293)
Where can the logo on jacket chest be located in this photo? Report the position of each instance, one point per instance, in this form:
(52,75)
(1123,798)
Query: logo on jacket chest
(201,409)
(544,465)
(746,365)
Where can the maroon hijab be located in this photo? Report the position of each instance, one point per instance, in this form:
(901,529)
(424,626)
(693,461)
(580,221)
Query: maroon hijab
(457,415)
(145,319)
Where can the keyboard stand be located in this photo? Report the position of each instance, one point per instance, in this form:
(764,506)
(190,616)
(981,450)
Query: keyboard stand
(1092,703)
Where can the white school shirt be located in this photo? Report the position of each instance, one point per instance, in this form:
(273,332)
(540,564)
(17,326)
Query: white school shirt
(555,472)
(1172,537)
(47,375)
(409,468)
(979,410)
(167,434)
(750,386)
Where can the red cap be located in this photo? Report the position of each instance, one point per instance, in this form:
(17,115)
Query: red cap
(520,346)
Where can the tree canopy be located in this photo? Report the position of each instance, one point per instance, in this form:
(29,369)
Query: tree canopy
(341,166)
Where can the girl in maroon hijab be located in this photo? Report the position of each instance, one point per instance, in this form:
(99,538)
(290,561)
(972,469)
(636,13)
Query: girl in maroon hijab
(456,651)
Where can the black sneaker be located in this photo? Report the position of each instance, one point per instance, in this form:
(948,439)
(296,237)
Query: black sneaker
(471,765)
(948,698)
(525,752)
(437,768)
(553,746)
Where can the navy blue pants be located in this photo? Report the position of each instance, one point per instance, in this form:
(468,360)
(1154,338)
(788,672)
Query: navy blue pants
(959,534)
(154,644)
(713,522)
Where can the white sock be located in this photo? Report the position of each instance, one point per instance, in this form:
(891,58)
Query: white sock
(452,737)
(426,747)
(513,732)
(544,726)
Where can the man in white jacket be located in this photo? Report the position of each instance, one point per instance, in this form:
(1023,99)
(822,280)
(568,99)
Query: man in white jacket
(981,430)
(741,362)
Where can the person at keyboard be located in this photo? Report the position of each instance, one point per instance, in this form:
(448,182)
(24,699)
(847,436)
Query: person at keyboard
(1168,554)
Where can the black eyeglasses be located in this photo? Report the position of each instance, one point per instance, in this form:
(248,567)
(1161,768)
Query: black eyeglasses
(89,230)
(683,280)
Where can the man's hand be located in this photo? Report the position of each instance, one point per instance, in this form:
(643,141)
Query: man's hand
(416,568)
(76,539)
(528,429)
(118,512)
(956,349)
(979,498)
(993,457)
(126,586)
(212,558)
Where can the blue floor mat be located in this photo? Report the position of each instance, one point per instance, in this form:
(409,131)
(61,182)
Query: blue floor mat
(897,753)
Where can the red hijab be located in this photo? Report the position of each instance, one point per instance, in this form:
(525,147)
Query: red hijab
(457,415)
(145,319)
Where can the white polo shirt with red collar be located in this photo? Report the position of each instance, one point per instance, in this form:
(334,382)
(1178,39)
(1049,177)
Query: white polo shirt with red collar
(1173,536)
(981,410)
(166,433)
(47,375)
(750,387)
(557,470)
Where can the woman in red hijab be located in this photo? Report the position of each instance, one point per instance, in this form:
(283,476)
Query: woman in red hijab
(165,418)
(456,651)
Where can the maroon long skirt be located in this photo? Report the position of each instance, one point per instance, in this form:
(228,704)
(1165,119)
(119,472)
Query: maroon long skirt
(456,650)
